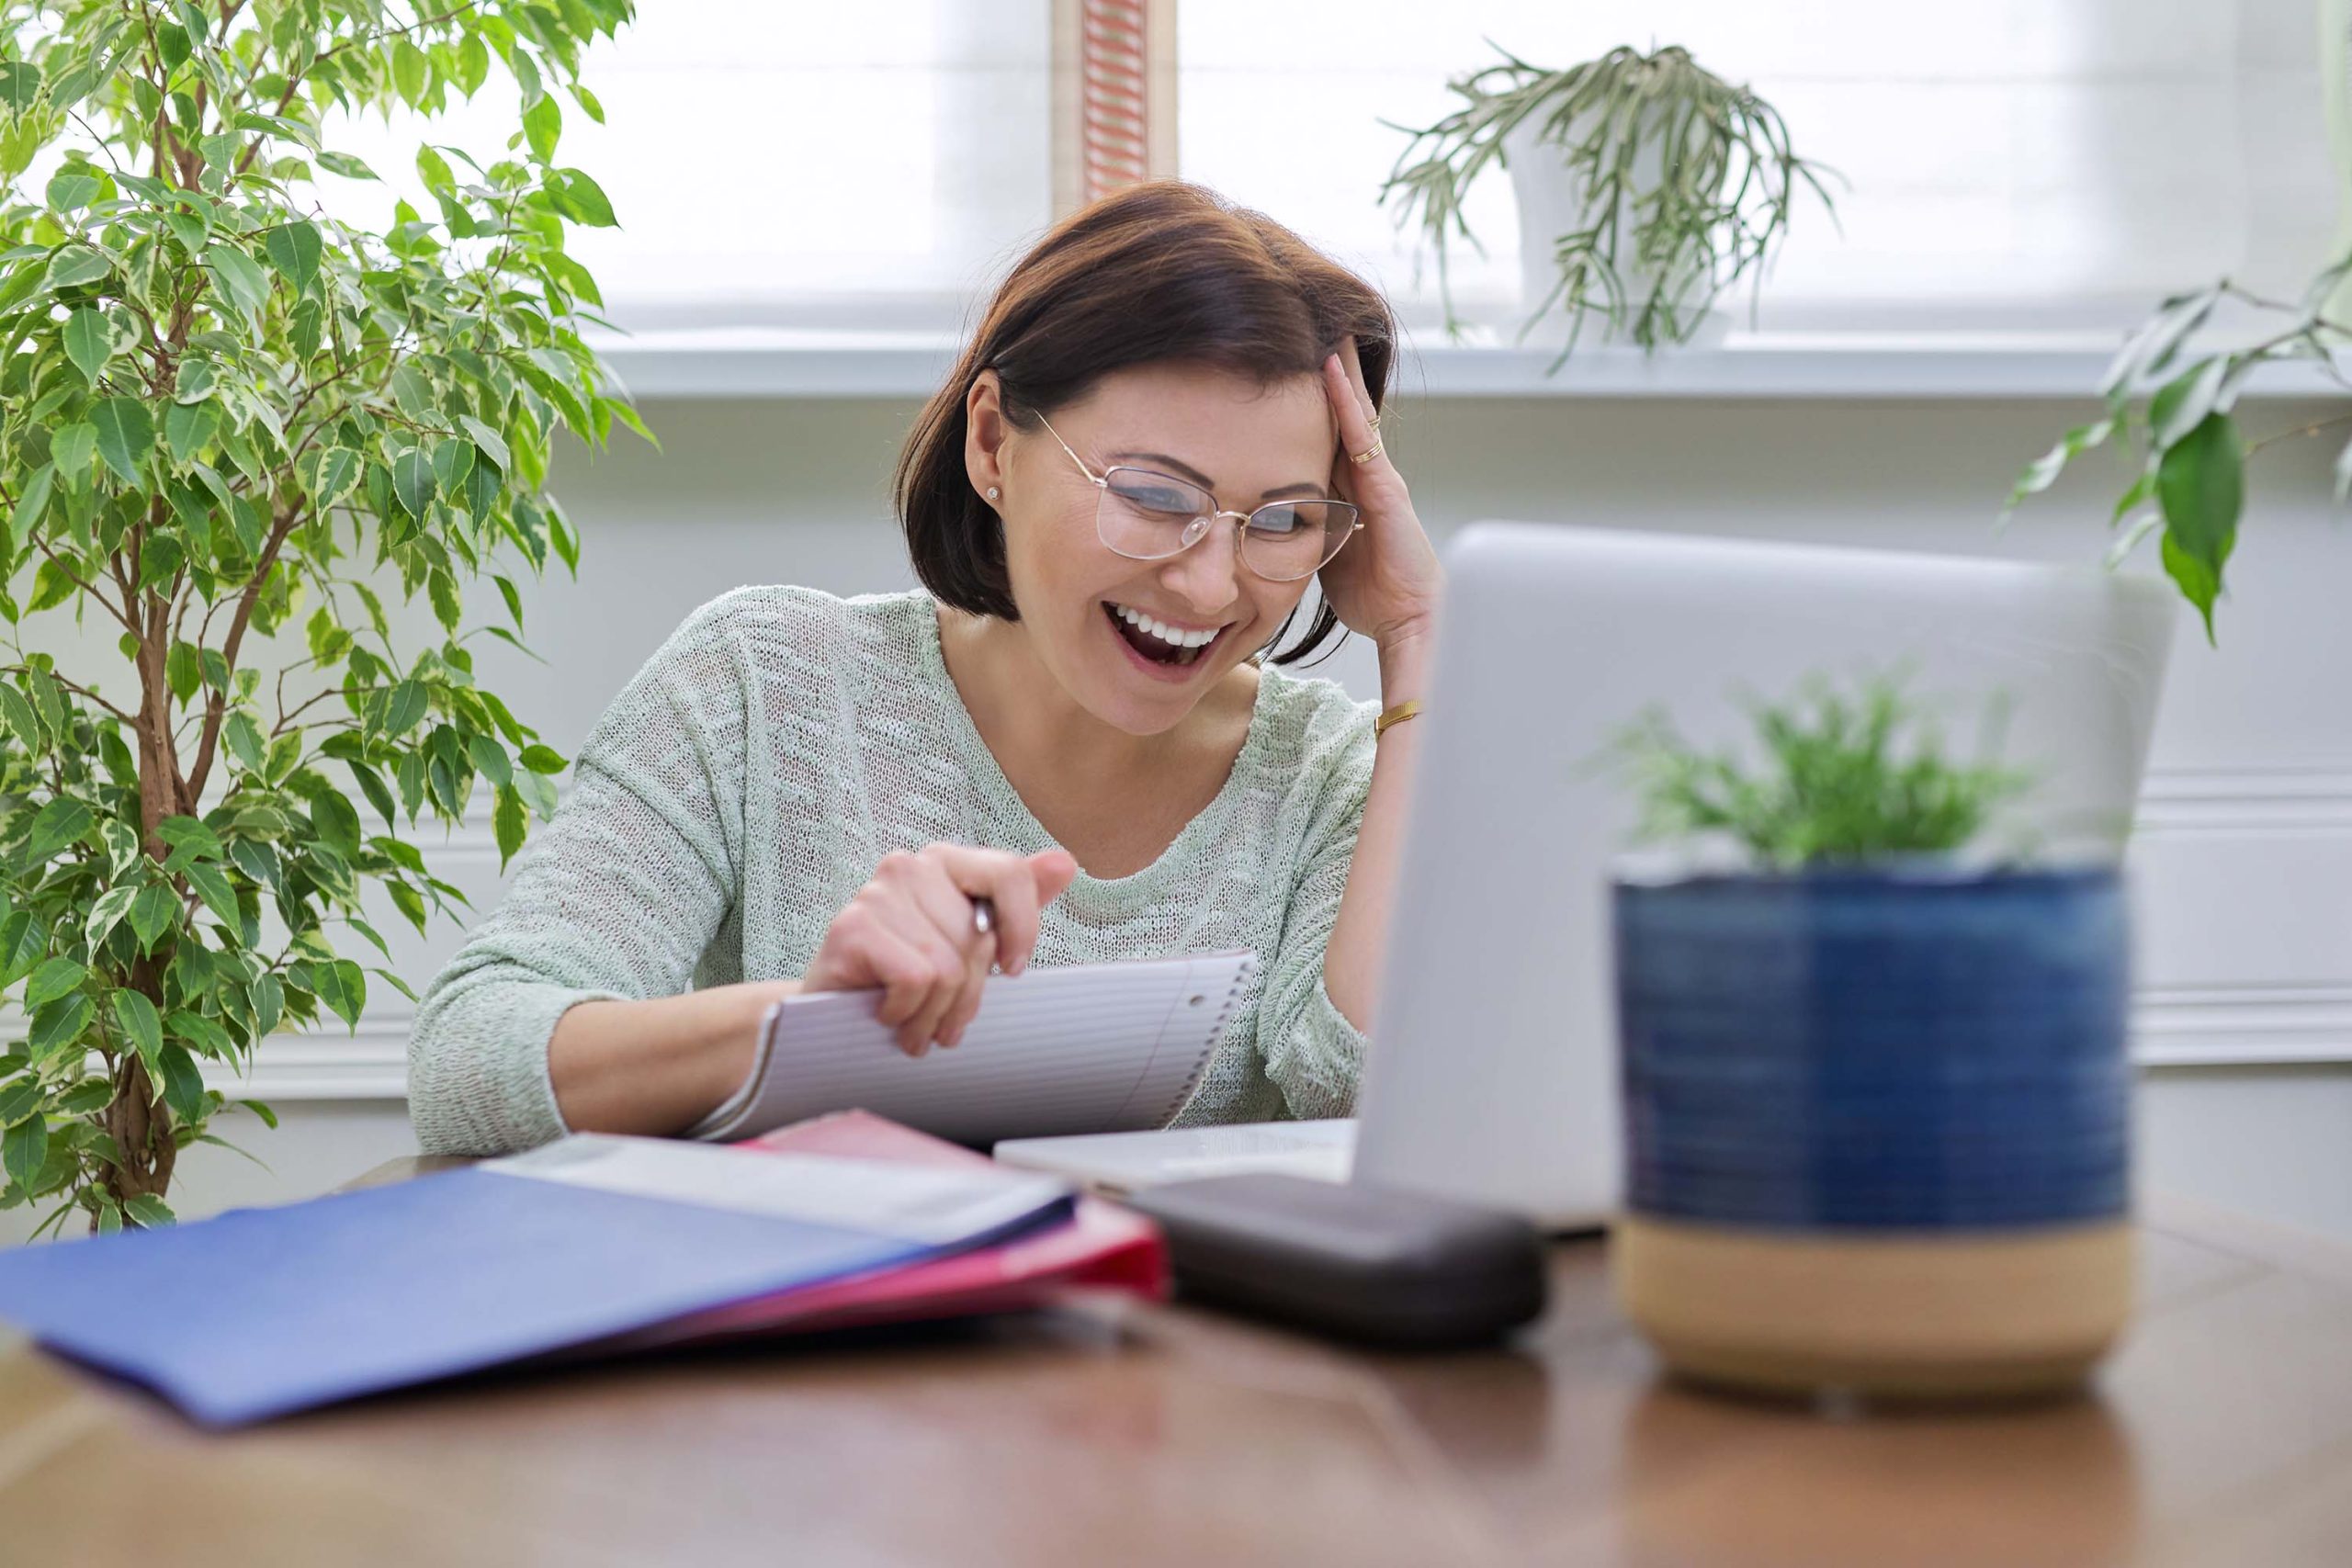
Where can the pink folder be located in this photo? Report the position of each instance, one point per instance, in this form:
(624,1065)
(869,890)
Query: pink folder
(1104,1247)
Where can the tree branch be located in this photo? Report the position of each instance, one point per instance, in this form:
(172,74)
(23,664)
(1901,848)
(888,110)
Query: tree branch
(215,707)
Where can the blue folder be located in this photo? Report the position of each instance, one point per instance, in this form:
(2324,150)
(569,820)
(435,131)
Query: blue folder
(260,1312)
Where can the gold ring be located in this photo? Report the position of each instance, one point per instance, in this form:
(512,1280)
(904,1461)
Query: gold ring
(1366,457)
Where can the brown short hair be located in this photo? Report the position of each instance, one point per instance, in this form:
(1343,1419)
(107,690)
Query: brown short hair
(1162,271)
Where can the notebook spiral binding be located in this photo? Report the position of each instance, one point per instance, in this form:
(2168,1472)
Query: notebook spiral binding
(1211,1041)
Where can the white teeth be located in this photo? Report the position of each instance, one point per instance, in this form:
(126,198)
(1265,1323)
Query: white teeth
(1164,632)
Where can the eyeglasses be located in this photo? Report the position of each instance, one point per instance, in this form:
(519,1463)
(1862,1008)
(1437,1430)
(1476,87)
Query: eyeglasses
(1147,515)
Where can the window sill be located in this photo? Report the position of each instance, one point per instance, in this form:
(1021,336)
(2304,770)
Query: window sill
(767,363)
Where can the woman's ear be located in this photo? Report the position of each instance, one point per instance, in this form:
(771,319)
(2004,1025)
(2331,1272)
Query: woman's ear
(984,432)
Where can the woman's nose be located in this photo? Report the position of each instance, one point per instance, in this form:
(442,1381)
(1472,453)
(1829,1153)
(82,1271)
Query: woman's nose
(1206,574)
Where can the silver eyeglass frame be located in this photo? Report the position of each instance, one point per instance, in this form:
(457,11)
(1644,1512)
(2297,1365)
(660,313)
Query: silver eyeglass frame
(1198,528)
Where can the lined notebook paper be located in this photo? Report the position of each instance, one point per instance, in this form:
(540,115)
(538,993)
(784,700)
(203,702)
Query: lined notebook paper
(1083,1048)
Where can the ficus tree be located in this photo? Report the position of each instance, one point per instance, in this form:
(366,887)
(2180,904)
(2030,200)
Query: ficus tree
(231,426)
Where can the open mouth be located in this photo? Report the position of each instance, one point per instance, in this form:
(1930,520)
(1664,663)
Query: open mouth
(1161,645)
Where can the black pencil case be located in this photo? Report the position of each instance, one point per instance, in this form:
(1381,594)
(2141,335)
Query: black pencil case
(1374,1264)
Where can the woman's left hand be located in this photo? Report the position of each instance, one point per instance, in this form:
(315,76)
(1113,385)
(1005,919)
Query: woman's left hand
(1383,583)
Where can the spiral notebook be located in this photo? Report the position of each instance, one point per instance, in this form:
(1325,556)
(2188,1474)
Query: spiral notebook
(1080,1048)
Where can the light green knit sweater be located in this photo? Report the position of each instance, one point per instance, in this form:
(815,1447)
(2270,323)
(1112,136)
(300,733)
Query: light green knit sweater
(747,782)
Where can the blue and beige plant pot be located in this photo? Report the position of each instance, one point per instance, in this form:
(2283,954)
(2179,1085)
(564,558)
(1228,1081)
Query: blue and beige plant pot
(1877,1126)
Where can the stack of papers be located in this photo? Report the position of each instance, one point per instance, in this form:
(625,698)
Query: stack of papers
(590,1245)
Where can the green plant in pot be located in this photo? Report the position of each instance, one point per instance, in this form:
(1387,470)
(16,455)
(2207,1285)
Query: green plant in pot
(231,427)
(1876,1086)
(1647,187)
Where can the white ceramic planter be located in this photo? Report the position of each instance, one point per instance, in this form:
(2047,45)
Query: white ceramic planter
(1551,203)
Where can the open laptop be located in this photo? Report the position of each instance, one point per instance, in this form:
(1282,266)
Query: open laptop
(1492,1074)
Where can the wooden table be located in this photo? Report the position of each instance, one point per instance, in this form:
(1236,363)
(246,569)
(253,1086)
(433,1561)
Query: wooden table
(2221,1433)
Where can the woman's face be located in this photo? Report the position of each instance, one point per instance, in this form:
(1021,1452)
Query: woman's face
(1246,446)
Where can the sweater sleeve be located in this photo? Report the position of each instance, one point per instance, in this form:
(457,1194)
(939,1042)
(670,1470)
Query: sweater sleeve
(615,898)
(1313,1055)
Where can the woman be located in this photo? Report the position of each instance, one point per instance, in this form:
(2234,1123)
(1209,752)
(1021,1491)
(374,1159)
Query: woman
(1164,426)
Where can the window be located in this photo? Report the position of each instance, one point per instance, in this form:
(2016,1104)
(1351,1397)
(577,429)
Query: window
(2014,163)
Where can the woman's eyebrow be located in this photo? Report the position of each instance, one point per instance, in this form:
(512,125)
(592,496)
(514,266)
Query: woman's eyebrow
(1186,471)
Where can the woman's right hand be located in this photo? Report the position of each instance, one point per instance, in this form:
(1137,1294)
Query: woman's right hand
(908,932)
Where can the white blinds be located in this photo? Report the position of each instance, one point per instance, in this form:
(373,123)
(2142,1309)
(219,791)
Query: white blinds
(782,161)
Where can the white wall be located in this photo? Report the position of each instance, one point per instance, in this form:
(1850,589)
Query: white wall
(2245,854)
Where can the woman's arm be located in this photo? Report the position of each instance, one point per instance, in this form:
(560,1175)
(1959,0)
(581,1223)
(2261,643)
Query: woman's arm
(656,1066)
(1359,938)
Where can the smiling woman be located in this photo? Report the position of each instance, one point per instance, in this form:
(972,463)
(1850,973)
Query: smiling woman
(1161,435)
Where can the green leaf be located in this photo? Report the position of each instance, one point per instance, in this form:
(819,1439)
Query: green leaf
(188,428)
(342,986)
(406,706)
(184,833)
(126,435)
(194,381)
(24,1148)
(2045,470)
(154,909)
(72,266)
(244,739)
(19,85)
(447,607)
(269,996)
(239,277)
(268,1117)
(183,671)
(202,1035)
(183,1085)
(71,447)
(507,819)
(543,759)
(452,461)
(20,717)
(89,341)
(61,822)
(53,979)
(90,1094)
(147,1212)
(2181,404)
(293,249)
(492,444)
(60,1024)
(542,126)
(582,200)
(122,846)
(219,897)
(22,942)
(285,751)
(473,65)
(256,859)
(489,758)
(20,1098)
(140,1024)
(106,912)
(346,166)
(32,501)
(413,482)
(408,70)
(2200,484)
(335,822)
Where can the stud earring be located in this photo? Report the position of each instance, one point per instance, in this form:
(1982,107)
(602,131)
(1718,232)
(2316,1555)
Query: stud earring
(992,493)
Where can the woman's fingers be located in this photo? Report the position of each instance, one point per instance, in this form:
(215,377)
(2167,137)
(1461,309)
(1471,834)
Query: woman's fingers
(910,932)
